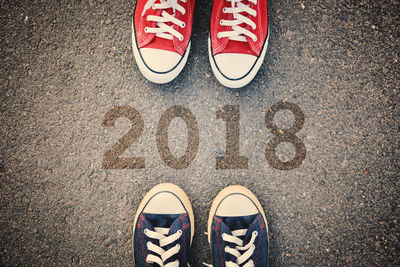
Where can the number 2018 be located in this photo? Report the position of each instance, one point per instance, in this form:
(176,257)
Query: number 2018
(230,114)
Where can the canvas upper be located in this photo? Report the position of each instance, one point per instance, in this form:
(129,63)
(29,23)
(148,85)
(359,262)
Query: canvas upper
(164,227)
(150,40)
(175,223)
(237,229)
(238,40)
(255,226)
(226,44)
(161,31)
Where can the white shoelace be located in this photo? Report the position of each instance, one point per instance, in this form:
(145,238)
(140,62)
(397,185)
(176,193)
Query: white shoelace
(241,259)
(239,33)
(163,30)
(161,254)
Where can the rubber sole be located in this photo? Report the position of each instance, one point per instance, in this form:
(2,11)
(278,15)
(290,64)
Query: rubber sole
(167,187)
(237,83)
(234,189)
(153,76)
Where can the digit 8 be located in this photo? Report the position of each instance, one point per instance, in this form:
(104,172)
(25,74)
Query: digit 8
(285,135)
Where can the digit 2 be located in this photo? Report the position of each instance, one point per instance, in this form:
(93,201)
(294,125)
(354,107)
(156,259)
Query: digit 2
(112,159)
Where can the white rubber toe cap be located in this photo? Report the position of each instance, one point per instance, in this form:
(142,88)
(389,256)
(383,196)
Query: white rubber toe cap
(234,66)
(164,203)
(236,205)
(159,60)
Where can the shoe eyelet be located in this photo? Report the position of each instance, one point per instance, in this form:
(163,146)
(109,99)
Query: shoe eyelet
(255,39)
(180,38)
(146,231)
(153,7)
(179,232)
(224,10)
(221,22)
(255,233)
(178,246)
(226,249)
(183,25)
(146,30)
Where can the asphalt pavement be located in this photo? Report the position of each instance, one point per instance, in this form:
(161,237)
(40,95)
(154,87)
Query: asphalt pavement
(70,90)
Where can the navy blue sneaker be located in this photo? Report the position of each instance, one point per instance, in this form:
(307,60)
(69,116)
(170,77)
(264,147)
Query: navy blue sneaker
(163,228)
(238,229)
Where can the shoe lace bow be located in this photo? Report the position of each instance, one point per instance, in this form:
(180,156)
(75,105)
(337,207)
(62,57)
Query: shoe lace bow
(161,255)
(238,32)
(164,23)
(240,252)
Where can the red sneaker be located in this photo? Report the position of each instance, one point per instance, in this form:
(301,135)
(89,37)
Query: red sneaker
(161,37)
(238,40)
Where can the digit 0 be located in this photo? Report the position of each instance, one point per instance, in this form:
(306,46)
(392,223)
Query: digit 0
(285,135)
(162,137)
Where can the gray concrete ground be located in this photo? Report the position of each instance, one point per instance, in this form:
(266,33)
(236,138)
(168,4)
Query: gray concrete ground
(65,64)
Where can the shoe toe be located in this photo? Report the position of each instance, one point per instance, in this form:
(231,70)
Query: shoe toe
(164,203)
(159,60)
(236,205)
(234,66)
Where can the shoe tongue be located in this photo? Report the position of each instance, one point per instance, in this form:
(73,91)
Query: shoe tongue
(161,220)
(238,47)
(251,227)
(162,43)
(176,225)
(236,223)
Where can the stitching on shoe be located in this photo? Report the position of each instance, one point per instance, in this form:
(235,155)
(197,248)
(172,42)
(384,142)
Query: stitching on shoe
(141,240)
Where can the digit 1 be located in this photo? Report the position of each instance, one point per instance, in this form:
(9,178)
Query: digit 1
(232,159)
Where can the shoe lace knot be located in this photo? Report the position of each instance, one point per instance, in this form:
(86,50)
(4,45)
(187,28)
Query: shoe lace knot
(164,22)
(239,31)
(161,255)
